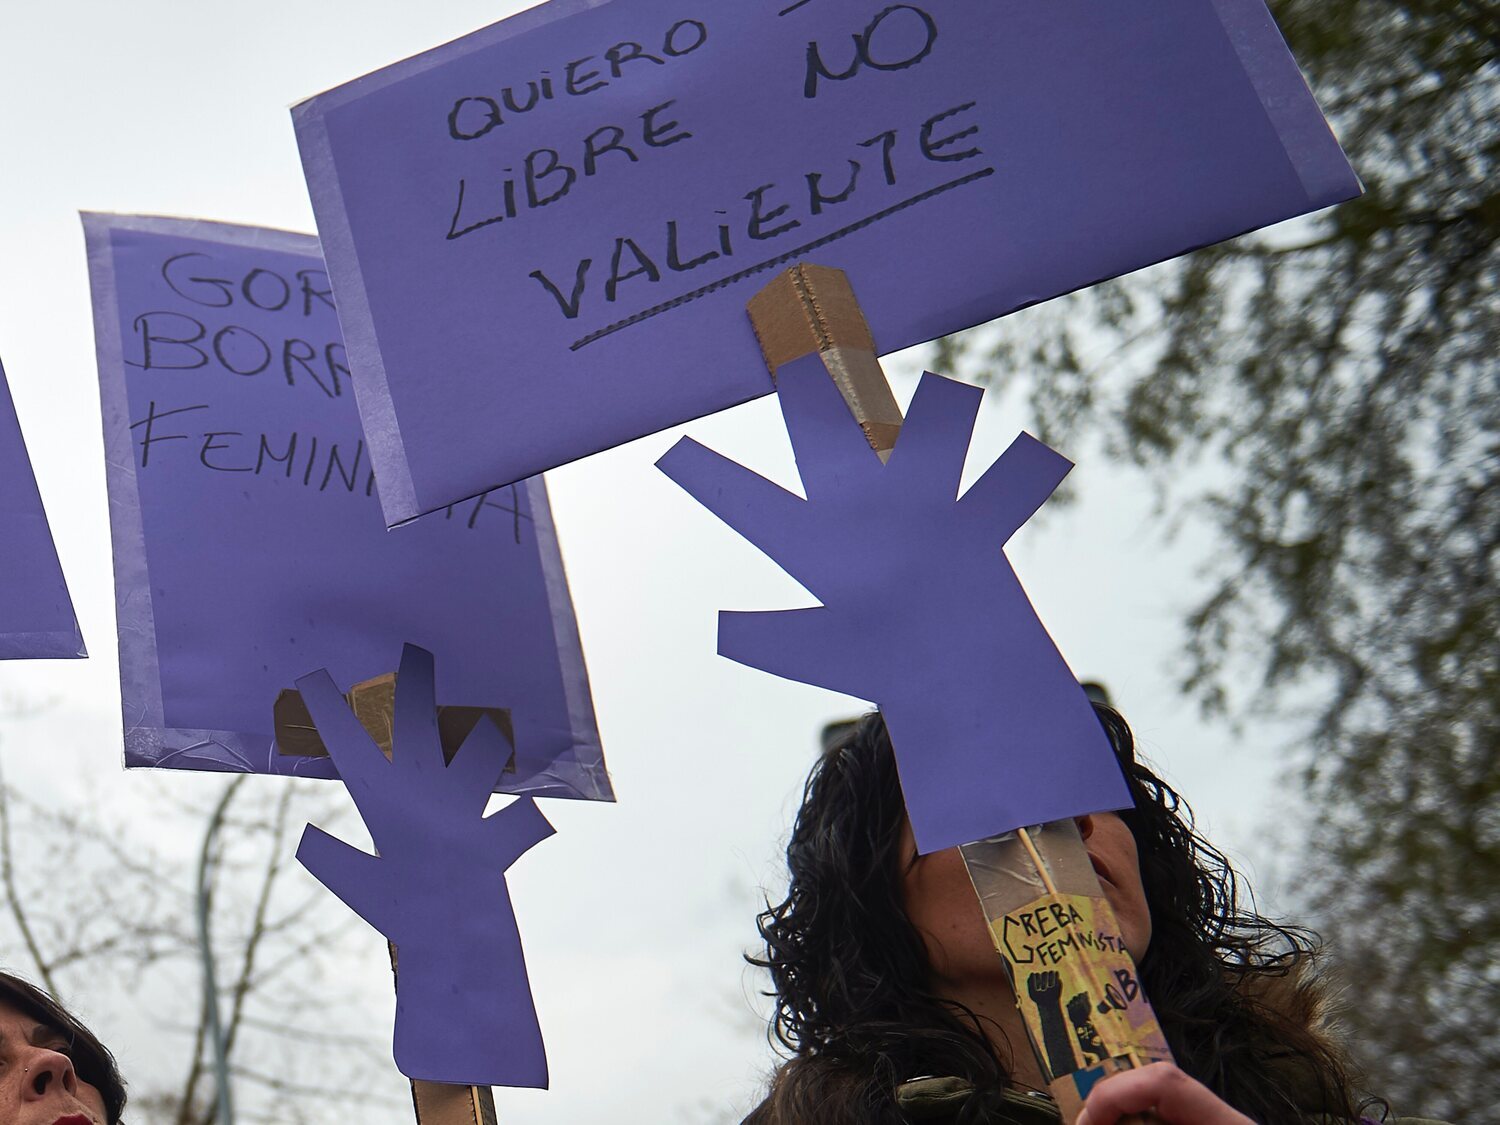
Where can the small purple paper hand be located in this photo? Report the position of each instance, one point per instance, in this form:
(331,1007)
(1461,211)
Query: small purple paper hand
(921,611)
(464,1012)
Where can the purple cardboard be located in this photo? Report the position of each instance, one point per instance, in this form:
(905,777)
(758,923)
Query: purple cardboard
(921,612)
(436,888)
(543,235)
(249,547)
(36,613)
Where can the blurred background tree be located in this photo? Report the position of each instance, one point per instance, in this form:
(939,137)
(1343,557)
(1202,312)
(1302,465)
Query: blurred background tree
(1336,381)
(103,913)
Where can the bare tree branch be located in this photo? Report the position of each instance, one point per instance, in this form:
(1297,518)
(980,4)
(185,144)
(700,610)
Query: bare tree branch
(13,898)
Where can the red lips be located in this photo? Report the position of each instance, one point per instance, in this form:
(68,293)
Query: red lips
(73,1119)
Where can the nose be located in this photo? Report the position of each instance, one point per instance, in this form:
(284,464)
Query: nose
(43,1071)
(1085,825)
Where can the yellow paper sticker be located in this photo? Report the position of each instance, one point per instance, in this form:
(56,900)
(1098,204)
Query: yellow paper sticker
(1076,985)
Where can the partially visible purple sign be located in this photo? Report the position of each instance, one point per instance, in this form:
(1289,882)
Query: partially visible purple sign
(543,235)
(249,548)
(36,613)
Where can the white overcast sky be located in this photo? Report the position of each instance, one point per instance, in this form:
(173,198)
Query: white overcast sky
(634,915)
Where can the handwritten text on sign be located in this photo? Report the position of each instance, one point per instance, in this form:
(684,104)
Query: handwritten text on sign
(584,196)
(201,332)
(249,546)
(898,37)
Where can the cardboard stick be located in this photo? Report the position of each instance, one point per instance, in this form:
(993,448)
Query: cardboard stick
(373,702)
(436,1104)
(1081,1002)
(811,309)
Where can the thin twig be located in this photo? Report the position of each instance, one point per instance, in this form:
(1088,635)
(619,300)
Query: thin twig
(13,896)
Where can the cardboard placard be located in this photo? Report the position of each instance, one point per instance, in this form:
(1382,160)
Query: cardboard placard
(36,613)
(543,235)
(249,548)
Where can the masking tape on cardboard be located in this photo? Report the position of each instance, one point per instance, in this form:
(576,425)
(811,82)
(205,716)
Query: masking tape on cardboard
(869,396)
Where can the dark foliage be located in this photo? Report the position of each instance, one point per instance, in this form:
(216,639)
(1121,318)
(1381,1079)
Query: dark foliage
(1344,371)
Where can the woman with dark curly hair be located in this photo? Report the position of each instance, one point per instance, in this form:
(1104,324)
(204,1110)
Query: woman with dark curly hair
(896,1008)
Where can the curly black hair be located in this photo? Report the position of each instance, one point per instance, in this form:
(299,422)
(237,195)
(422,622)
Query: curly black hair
(854,1008)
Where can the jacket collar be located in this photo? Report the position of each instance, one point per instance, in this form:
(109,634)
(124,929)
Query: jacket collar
(936,1100)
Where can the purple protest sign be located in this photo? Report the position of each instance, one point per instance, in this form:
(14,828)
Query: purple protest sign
(36,613)
(921,611)
(249,548)
(436,888)
(543,235)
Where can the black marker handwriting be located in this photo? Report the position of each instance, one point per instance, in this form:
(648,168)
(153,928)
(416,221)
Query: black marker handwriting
(778,260)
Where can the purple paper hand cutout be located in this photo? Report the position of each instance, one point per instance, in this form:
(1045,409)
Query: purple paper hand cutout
(921,610)
(464,1012)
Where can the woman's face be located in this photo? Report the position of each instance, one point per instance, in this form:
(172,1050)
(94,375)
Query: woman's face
(941,903)
(38,1085)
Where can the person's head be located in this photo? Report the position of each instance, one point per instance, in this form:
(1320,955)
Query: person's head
(52,1068)
(865,949)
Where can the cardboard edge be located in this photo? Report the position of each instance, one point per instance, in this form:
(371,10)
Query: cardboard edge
(498,32)
(135,620)
(593,781)
(1305,134)
(216,751)
(372,391)
(52,645)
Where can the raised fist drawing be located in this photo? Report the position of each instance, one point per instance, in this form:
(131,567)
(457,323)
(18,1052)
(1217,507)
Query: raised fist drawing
(1045,990)
(1080,1013)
